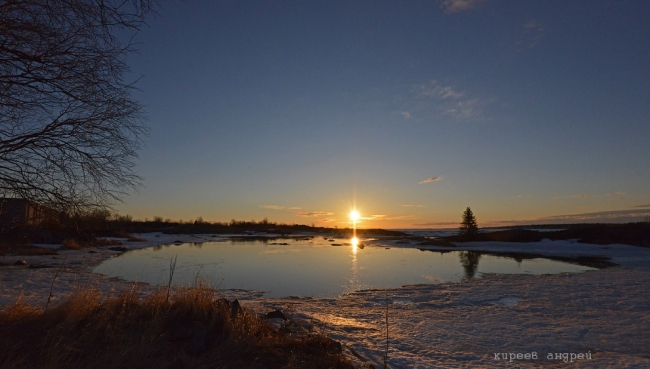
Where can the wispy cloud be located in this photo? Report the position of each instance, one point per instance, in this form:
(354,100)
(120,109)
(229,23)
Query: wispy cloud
(523,196)
(618,195)
(432,224)
(533,33)
(272,207)
(454,6)
(405,114)
(431,179)
(328,220)
(313,214)
(388,217)
(438,91)
(464,108)
(642,206)
(613,216)
(448,100)
(278,207)
(578,196)
(400,217)
(413,206)
(375,217)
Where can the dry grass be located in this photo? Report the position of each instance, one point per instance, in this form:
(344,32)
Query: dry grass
(74,244)
(70,244)
(33,251)
(191,330)
(16,248)
(129,237)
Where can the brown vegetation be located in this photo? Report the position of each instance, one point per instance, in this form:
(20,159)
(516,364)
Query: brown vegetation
(74,244)
(16,248)
(193,329)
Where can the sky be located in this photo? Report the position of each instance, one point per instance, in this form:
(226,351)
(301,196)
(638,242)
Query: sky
(525,111)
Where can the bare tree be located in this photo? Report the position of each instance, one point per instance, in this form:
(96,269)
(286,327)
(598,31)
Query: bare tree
(69,127)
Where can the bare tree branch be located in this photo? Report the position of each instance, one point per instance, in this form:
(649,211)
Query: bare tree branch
(69,127)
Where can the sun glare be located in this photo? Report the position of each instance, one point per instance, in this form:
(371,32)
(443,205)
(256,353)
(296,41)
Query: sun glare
(354,241)
(354,215)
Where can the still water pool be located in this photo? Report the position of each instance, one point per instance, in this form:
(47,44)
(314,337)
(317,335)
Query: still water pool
(312,267)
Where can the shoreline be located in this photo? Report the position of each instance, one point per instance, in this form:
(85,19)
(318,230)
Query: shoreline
(449,324)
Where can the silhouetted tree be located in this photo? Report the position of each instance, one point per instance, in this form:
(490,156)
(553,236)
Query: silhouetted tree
(468,226)
(69,128)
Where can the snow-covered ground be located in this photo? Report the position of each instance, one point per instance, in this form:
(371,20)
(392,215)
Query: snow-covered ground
(74,268)
(598,319)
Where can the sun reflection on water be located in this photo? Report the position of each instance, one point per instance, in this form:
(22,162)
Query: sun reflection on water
(355,244)
(353,282)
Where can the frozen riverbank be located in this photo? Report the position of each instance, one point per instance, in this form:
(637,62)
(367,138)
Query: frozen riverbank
(73,269)
(605,313)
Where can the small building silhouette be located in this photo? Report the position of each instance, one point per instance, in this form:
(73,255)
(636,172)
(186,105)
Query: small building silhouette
(17,212)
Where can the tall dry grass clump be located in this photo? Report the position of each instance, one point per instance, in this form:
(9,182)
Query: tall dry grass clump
(70,244)
(190,330)
(75,244)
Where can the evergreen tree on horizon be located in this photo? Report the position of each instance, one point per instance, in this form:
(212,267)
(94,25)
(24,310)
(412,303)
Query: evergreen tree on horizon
(468,226)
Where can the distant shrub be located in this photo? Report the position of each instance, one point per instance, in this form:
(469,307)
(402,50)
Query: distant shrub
(128,236)
(70,244)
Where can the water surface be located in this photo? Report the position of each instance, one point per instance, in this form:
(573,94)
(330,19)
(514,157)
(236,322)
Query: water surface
(312,267)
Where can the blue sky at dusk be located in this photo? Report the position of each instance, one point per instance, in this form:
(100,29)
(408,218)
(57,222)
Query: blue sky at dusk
(410,111)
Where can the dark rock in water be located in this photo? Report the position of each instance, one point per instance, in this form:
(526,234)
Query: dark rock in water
(233,306)
(336,244)
(235,309)
(20,262)
(275,314)
(178,241)
(119,248)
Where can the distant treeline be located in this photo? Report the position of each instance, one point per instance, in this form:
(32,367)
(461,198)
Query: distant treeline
(198,225)
(635,234)
(104,224)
